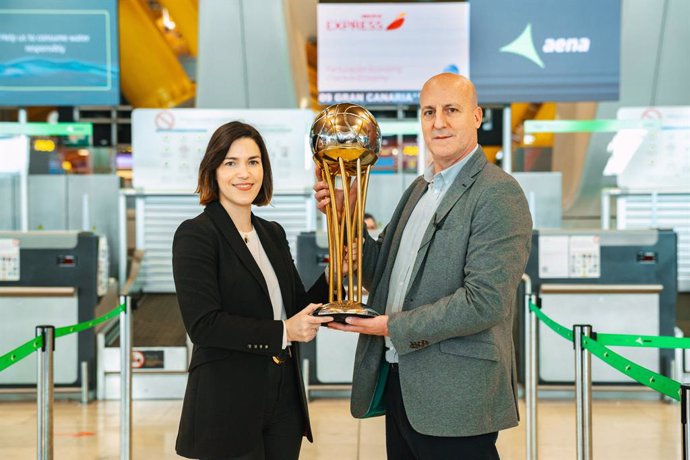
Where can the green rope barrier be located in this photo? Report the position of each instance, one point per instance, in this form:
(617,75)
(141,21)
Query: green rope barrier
(598,348)
(22,351)
(649,341)
(553,325)
(655,381)
(62,331)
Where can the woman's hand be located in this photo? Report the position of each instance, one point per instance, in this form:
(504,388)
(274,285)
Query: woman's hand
(303,326)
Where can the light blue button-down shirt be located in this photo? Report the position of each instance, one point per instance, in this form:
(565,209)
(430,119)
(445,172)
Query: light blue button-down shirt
(438,185)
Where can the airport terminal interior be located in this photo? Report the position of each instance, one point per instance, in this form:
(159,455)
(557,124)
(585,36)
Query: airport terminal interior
(106,109)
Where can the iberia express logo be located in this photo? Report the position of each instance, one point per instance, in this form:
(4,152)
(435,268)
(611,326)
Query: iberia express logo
(397,22)
(366,23)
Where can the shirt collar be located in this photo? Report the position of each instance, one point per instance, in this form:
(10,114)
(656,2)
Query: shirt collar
(443,179)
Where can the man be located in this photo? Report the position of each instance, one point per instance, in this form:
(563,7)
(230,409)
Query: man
(370,222)
(444,274)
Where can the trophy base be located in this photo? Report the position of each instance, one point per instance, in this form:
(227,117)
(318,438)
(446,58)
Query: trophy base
(344,309)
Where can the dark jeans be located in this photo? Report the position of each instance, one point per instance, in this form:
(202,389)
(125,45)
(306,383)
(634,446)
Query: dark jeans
(283,418)
(404,443)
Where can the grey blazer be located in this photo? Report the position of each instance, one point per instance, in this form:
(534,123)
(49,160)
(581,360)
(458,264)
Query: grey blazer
(454,334)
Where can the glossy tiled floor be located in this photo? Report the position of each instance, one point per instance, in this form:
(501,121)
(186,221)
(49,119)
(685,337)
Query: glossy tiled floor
(629,430)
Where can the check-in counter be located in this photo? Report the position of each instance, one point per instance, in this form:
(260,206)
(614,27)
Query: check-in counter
(50,278)
(611,308)
(618,281)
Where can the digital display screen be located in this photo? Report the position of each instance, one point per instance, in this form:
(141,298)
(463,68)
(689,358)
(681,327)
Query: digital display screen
(545,50)
(59,52)
(382,53)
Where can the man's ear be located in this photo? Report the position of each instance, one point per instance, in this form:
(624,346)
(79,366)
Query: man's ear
(478,117)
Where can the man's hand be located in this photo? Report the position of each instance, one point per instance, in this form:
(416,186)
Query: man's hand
(370,326)
(346,252)
(323,197)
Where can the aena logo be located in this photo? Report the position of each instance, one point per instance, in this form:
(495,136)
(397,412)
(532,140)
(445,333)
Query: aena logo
(523,46)
(566,45)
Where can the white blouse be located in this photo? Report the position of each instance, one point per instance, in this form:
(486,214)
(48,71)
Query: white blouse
(256,248)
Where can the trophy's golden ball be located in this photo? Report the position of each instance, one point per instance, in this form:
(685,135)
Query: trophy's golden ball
(347,131)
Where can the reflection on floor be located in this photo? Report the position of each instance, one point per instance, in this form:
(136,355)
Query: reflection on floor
(629,430)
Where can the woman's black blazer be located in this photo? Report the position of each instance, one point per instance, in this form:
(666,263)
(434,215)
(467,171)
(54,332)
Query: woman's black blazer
(228,315)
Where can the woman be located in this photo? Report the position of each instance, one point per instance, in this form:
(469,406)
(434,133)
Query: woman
(244,308)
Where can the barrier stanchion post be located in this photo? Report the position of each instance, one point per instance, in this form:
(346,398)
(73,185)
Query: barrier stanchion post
(605,209)
(684,416)
(583,392)
(126,379)
(534,358)
(84,382)
(678,361)
(44,393)
(531,381)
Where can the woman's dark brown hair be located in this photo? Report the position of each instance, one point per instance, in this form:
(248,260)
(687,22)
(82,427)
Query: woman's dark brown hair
(216,150)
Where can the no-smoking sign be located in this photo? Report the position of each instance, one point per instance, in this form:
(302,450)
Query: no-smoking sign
(138,359)
(165,120)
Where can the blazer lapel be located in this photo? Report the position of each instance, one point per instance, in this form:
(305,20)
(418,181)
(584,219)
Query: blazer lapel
(227,228)
(460,185)
(270,242)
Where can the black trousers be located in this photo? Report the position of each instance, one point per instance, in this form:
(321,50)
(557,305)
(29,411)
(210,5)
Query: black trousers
(404,443)
(283,425)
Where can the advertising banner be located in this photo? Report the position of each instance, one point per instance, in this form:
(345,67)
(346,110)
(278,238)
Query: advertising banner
(382,53)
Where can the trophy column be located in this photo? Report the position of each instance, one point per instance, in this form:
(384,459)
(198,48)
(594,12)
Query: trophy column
(346,228)
(345,141)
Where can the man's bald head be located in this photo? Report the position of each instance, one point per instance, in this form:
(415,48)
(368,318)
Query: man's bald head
(451,80)
(450,118)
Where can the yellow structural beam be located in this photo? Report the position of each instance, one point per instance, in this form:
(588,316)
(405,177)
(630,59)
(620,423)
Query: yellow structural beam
(522,111)
(185,14)
(151,74)
(491,151)
(519,112)
(546,111)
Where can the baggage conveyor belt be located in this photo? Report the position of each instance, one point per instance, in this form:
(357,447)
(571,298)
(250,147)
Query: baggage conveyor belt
(157,322)
(160,352)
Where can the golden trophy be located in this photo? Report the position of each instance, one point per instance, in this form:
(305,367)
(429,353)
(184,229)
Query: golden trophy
(345,140)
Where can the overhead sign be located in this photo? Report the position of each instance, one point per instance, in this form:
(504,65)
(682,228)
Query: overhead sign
(382,53)
(544,50)
(168,145)
(652,159)
(59,52)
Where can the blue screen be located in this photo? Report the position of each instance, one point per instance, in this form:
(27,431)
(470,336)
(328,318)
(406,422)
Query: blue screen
(545,50)
(59,52)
